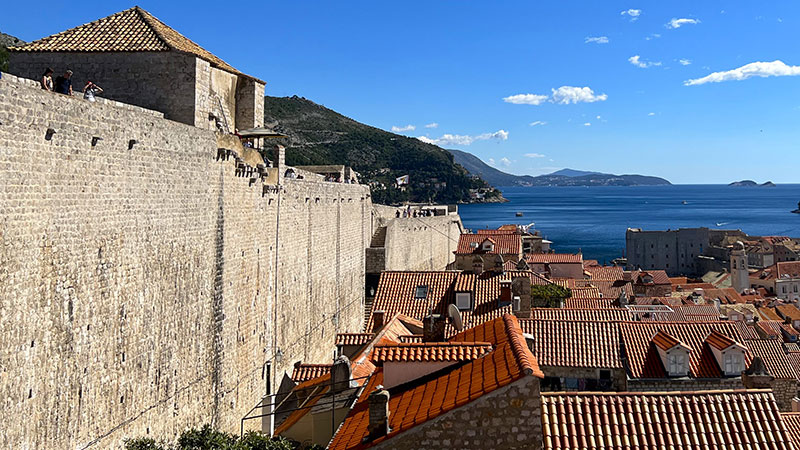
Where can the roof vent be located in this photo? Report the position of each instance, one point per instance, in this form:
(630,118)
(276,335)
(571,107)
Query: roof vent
(378,413)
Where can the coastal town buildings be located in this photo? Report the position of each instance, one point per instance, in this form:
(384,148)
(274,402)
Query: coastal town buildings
(781,279)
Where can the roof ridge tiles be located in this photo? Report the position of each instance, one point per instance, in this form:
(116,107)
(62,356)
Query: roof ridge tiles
(525,358)
(656,393)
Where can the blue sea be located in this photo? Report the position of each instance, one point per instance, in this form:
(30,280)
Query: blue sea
(594,219)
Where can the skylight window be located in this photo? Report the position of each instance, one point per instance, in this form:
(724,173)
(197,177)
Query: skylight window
(421,292)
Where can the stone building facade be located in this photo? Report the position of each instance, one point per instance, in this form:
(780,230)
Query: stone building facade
(142,277)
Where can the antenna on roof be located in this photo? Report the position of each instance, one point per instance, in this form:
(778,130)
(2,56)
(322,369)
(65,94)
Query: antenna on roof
(455,317)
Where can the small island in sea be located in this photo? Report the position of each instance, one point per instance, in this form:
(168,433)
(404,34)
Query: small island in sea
(751,183)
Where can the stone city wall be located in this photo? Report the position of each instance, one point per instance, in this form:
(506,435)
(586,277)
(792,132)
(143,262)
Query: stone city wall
(422,243)
(141,279)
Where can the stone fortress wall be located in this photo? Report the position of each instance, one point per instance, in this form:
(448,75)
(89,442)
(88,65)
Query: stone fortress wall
(142,277)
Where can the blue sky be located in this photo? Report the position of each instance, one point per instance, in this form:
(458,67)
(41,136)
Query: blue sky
(394,64)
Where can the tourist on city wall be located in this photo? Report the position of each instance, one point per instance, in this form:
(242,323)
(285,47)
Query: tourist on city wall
(90,90)
(47,79)
(64,83)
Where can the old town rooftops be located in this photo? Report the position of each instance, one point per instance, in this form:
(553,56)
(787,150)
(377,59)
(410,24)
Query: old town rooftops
(554,258)
(429,351)
(131,30)
(501,244)
(570,343)
(730,419)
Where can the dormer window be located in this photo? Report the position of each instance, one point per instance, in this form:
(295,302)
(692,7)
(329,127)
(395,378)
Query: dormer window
(464,300)
(674,354)
(676,364)
(487,246)
(421,292)
(733,363)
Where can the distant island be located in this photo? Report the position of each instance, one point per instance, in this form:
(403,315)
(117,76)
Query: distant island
(751,183)
(563,177)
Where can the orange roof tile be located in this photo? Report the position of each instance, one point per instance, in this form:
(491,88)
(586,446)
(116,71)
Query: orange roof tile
(589,303)
(554,258)
(568,343)
(504,244)
(602,315)
(305,372)
(131,30)
(605,273)
(792,347)
(430,351)
(353,338)
(643,363)
(613,289)
(767,313)
(775,358)
(418,403)
(792,422)
(741,420)
(665,342)
(683,313)
(789,312)
(659,277)
(719,340)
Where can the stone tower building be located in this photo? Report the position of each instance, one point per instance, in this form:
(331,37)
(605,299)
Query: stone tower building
(740,275)
(139,60)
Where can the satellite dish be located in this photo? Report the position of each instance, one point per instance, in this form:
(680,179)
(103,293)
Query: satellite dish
(455,317)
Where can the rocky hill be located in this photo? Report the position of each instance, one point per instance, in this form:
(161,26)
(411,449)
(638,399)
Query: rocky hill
(751,183)
(6,40)
(563,177)
(318,135)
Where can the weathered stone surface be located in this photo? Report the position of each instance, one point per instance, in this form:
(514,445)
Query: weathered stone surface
(140,287)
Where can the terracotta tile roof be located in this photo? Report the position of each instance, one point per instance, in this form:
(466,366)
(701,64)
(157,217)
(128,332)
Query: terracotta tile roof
(742,420)
(353,338)
(612,289)
(719,340)
(792,422)
(659,277)
(767,313)
(411,338)
(792,347)
(554,258)
(741,308)
(683,313)
(746,331)
(504,244)
(775,358)
(498,231)
(789,312)
(589,303)
(770,328)
(605,273)
(678,280)
(788,269)
(589,292)
(602,315)
(418,403)
(305,372)
(689,287)
(665,342)
(132,30)
(430,352)
(794,361)
(395,294)
(568,343)
(590,263)
(644,362)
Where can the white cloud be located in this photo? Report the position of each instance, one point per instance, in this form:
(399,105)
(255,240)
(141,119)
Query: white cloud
(596,40)
(598,117)
(537,123)
(432,125)
(534,155)
(636,61)
(651,114)
(685,62)
(490,161)
(632,13)
(587,124)
(505,162)
(652,36)
(572,94)
(461,139)
(755,69)
(677,23)
(403,129)
(526,99)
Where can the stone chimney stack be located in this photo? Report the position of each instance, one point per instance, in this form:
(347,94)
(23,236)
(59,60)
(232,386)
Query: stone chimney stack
(280,161)
(378,413)
(756,376)
(378,319)
(497,265)
(521,287)
(433,328)
(505,292)
(796,404)
(341,374)
(623,298)
(477,265)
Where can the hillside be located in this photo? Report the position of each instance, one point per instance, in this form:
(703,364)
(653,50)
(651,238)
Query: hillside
(6,40)
(563,177)
(318,135)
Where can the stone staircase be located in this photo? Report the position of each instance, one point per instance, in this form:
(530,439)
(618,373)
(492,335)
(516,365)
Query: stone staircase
(379,238)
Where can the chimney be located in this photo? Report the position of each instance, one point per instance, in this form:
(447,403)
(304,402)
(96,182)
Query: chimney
(756,376)
(521,287)
(433,328)
(378,318)
(340,374)
(280,161)
(796,404)
(623,298)
(477,265)
(505,292)
(378,413)
(498,264)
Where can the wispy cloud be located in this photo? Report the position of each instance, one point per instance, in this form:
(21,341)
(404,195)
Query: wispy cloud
(651,114)
(432,125)
(572,94)
(587,124)
(636,61)
(775,68)
(526,99)
(596,40)
(685,62)
(396,129)
(538,123)
(461,139)
(652,36)
(632,13)
(534,155)
(677,23)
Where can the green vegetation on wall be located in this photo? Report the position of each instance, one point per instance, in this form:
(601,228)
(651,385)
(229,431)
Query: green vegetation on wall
(549,295)
(207,438)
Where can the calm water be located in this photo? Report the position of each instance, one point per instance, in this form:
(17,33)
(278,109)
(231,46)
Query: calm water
(594,219)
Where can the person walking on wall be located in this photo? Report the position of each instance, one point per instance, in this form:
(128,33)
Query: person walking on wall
(47,80)
(64,83)
(90,90)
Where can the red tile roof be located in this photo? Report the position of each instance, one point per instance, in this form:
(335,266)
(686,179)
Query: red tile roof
(665,342)
(659,277)
(742,420)
(498,231)
(589,292)
(430,352)
(775,358)
(602,315)
(305,372)
(562,343)
(792,347)
(554,258)
(504,244)
(418,403)
(777,330)
(789,312)
(643,362)
(719,340)
(353,338)
(612,289)
(684,313)
(725,296)
(589,303)
(605,273)
(792,422)
(767,313)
